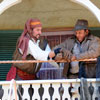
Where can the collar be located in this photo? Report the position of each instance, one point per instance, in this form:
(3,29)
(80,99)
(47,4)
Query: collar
(89,37)
(36,42)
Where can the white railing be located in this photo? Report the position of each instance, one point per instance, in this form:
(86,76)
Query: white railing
(65,89)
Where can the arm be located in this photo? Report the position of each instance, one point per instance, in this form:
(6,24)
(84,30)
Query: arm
(36,52)
(47,48)
(39,54)
(64,54)
(62,45)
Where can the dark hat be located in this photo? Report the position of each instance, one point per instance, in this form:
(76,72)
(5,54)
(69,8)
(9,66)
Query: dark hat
(81,24)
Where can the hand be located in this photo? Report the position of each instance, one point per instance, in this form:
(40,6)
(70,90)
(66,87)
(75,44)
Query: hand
(51,54)
(73,58)
(66,54)
(58,56)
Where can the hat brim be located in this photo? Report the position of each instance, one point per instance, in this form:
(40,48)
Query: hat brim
(79,28)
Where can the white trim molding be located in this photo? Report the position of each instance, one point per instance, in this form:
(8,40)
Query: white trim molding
(92,7)
(5,4)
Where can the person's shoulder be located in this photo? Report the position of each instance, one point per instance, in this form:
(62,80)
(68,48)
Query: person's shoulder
(30,43)
(94,37)
(71,38)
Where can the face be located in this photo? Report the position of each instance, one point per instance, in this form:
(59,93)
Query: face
(80,35)
(37,32)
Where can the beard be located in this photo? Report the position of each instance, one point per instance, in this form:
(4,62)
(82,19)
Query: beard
(38,36)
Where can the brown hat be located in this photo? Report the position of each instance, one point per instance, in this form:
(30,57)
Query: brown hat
(81,24)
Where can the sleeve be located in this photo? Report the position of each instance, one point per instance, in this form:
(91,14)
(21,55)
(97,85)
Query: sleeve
(62,45)
(47,48)
(36,52)
(93,51)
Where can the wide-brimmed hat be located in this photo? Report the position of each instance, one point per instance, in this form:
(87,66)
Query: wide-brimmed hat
(81,24)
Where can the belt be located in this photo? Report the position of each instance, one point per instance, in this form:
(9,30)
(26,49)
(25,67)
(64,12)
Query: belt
(73,73)
(25,76)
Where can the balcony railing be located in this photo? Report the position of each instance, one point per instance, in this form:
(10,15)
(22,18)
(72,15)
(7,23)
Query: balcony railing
(69,89)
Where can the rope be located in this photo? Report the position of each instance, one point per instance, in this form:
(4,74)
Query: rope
(40,61)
